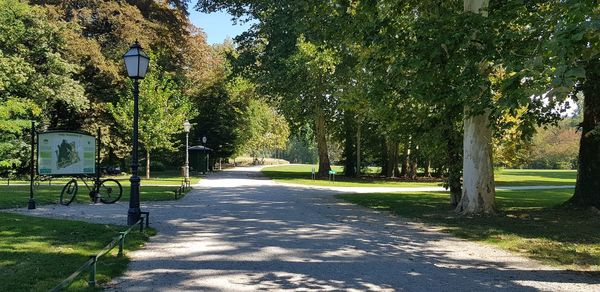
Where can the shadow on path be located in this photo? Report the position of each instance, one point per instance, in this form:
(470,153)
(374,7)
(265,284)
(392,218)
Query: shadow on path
(236,232)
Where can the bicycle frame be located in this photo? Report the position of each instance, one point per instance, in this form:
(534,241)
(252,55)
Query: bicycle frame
(95,188)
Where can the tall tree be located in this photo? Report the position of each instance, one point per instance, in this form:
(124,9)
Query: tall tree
(576,45)
(162,110)
(36,79)
(479,190)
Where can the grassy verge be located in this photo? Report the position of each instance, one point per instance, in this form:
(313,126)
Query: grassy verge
(38,253)
(163,178)
(249,161)
(537,177)
(301,174)
(18,196)
(530,223)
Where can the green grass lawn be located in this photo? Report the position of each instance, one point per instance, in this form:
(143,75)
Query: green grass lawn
(18,196)
(166,178)
(538,177)
(36,254)
(531,222)
(301,174)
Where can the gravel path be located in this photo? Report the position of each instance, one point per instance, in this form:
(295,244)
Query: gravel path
(240,232)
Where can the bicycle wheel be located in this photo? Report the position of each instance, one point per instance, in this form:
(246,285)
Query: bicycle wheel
(68,192)
(110,191)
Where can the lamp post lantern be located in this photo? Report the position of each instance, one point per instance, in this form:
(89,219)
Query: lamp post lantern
(136,63)
(186,172)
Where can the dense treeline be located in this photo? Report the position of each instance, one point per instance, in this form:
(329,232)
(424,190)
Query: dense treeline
(61,66)
(455,88)
(440,84)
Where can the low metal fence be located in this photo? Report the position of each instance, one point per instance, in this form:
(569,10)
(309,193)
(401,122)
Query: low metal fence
(91,263)
(182,189)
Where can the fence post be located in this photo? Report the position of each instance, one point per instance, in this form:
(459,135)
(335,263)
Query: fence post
(121,243)
(142,224)
(92,279)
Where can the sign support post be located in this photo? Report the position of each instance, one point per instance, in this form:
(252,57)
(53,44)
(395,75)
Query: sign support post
(31,203)
(97,168)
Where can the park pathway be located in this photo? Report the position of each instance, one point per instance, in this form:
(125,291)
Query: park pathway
(240,232)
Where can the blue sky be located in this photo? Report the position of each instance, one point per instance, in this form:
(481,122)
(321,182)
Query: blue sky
(217,26)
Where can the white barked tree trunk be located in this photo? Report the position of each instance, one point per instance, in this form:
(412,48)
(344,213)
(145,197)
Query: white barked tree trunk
(478,192)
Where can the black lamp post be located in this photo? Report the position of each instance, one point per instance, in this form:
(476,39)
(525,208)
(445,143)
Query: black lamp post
(136,62)
(186,128)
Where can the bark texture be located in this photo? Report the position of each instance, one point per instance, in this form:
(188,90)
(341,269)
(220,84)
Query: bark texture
(587,187)
(405,160)
(392,159)
(478,194)
(384,157)
(427,172)
(358,148)
(454,162)
(349,145)
(321,133)
(147,164)
(412,171)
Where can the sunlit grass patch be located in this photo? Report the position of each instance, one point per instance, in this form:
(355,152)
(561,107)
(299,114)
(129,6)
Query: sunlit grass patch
(36,254)
(301,174)
(18,196)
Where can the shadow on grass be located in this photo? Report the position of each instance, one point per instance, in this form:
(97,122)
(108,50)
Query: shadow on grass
(38,253)
(529,222)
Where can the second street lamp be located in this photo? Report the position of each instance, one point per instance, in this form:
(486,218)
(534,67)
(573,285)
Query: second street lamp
(136,63)
(186,172)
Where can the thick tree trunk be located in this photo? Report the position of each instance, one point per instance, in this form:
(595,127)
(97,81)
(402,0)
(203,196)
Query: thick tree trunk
(384,157)
(392,158)
(405,160)
(454,161)
(147,164)
(427,172)
(479,192)
(478,172)
(321,133)
(587,187)
(349,145)
(396,159)
(412,172)
(358,148)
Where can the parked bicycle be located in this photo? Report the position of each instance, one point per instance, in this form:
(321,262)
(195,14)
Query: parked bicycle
(108,191)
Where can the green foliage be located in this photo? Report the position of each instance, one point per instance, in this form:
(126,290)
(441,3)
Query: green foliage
(162,111)
(220,119)
(555,147)
(301,149)
(266,129)
(35,78)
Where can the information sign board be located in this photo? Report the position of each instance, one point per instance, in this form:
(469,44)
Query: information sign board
(66,153)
